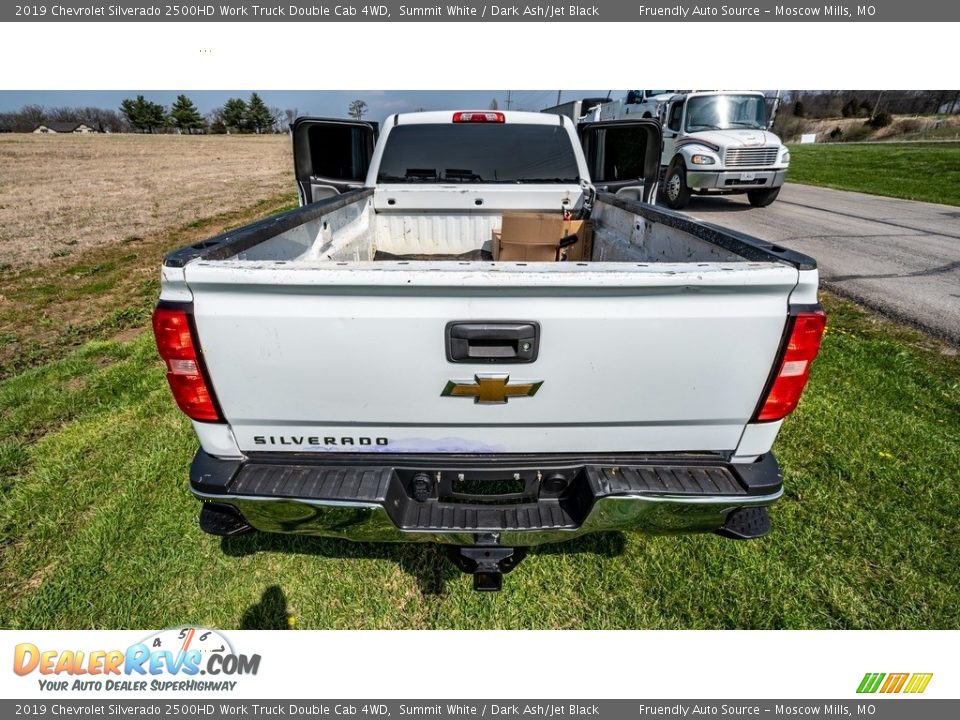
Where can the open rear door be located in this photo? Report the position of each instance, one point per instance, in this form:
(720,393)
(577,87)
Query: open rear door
(623,156)
(331,156)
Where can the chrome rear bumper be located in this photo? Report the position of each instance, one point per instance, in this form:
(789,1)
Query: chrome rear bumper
(552,498)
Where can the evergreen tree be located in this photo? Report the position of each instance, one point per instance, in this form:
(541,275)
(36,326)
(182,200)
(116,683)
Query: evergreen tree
(157,116)
(185,115)
(259,117)
(234,115)
(143,115)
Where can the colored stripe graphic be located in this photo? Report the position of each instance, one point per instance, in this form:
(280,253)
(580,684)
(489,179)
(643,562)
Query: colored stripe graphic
(918,682)
(894,683)
(870,682)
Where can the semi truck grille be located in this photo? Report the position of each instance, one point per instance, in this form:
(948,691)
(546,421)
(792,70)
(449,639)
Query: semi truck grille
(751,157)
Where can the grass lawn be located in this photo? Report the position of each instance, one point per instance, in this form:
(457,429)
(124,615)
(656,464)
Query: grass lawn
(98,529)
(914,171)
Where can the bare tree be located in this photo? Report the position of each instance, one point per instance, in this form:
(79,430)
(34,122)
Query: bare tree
(30,117)
(277,115)
(290,114)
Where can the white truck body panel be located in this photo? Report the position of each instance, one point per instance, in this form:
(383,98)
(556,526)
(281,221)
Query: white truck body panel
(647,103)
(629,360)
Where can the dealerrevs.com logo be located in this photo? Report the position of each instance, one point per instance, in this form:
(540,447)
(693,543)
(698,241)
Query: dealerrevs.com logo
(173,659)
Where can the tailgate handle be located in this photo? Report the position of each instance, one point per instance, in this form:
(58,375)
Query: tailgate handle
(492,342)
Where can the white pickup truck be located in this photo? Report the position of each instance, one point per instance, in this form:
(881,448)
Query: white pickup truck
(637,103)
(360,368)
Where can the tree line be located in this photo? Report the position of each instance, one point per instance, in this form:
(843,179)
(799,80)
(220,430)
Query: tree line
(137,114)
(868,103)
(236,115)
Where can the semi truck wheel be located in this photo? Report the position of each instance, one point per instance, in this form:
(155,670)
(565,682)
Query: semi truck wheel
(675,190)
(762,198)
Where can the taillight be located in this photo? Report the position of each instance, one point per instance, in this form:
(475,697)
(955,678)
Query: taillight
(177,346)
(479,116)
(803,344)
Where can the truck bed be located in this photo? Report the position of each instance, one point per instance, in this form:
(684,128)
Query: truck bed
(361,227)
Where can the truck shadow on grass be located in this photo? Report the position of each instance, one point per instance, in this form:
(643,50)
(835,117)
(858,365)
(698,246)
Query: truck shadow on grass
(271,613)
(427,563)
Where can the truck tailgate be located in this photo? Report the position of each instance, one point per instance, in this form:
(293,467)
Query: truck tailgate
(658,357)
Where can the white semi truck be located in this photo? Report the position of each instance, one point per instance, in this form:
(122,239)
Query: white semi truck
(362,368)
(718,143)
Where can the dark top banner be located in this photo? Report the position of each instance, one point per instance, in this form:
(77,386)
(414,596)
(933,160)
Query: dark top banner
(480,11)
(214,708)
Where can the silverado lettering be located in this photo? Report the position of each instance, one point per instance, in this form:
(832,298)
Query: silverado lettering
(316,440)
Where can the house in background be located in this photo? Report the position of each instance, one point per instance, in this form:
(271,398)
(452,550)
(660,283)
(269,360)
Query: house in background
(64,127)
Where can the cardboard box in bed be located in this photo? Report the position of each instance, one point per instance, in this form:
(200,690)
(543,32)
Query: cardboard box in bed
(536,237)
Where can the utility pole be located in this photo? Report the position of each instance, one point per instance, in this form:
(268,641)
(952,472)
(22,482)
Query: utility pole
(508,99)
(876,105)
(558,96)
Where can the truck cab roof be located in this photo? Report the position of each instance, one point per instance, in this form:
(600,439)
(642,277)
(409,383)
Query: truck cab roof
(707,93)
(435,117)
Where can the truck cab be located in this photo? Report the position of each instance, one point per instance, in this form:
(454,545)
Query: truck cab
(718,143)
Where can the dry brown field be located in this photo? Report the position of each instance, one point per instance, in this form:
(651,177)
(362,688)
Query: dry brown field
(61,194)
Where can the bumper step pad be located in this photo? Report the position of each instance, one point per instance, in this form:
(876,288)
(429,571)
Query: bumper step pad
(690,480)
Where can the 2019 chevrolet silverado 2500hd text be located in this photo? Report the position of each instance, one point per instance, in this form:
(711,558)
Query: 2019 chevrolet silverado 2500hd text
(372,366)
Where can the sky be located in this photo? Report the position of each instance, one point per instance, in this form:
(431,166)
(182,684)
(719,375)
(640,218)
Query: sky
(328,103)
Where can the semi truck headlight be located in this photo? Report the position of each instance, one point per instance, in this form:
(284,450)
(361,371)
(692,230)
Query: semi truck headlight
(702,160)
(785,158)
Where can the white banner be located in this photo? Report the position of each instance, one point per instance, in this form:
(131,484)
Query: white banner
(454,664)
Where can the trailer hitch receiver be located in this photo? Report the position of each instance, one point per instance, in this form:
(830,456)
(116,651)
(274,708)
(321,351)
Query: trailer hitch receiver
(487,563)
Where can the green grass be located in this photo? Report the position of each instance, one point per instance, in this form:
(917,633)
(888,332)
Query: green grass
(110,290)
(98,529)
(913,171)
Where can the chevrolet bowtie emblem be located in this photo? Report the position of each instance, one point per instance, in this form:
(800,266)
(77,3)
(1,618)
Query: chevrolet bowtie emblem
(491,389)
